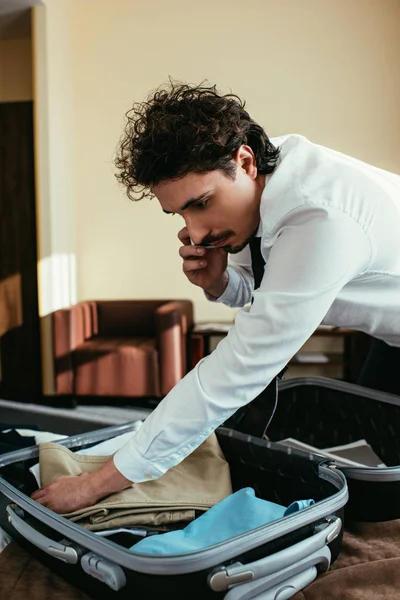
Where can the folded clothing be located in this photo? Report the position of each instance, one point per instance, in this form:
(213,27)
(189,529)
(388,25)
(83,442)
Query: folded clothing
(239,513)
(108,447)
(201,480)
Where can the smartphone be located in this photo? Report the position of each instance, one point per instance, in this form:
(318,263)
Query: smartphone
(202,245)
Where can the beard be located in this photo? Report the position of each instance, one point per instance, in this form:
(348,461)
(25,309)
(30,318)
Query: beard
(240,247)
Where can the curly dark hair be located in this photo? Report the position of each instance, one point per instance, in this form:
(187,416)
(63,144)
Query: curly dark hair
(181,129)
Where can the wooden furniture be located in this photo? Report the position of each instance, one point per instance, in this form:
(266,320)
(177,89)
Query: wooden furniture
(343,357)
(203,335)
(20,356)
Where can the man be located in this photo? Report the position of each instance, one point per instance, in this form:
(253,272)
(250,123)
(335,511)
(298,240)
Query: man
(329,227)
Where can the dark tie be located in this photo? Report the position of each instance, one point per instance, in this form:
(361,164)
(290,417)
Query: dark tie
(257,261)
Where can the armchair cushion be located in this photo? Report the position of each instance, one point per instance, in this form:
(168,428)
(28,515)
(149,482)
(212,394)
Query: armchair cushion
(131,348)
(112,366)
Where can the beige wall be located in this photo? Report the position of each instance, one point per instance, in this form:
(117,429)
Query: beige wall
(326,69)
(56,141)
(15,70)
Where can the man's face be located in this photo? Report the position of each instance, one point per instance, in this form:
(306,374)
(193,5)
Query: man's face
(217,209)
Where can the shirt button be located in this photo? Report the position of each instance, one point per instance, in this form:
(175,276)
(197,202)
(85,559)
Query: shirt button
(149,476)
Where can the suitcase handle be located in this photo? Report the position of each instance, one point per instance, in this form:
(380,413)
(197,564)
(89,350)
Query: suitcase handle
(267,588)
(292,559)
(63,552)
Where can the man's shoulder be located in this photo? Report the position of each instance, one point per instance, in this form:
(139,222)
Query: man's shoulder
(289,140)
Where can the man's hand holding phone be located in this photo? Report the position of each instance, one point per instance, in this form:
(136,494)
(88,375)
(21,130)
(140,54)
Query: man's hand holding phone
(204,266)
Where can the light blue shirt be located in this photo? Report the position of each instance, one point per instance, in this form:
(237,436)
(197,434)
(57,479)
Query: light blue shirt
(235,515)
(330,228)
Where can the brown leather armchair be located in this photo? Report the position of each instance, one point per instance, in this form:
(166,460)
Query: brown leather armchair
(135,348)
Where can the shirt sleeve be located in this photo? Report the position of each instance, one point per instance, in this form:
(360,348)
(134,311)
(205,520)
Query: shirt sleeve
(241,281)
(316,251)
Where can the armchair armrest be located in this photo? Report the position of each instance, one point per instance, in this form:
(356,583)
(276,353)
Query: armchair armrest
(70,327)
(173,322)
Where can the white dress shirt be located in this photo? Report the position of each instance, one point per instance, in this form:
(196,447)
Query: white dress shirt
(330,229)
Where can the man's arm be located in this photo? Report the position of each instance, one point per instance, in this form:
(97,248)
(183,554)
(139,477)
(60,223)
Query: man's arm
(317,251)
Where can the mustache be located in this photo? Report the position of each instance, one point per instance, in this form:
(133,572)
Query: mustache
(208,240)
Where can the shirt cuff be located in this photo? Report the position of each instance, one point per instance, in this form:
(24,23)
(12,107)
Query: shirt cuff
(229,296)
(170,433)
(133,465)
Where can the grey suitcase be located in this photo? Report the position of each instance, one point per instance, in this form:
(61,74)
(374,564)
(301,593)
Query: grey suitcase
(273,561)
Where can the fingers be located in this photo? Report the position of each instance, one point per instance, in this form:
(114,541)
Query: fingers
(192,252)
(39,493)
(183,236)
(193,256)
(45,501)
(40,496)
(42,501)
(193,265)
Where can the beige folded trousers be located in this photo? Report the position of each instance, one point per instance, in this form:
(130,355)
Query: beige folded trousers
(201,480)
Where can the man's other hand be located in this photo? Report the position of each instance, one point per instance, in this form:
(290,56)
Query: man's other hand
(66,494)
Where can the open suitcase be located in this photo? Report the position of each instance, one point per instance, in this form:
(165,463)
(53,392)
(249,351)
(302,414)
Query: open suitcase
(273,561)
(326,412)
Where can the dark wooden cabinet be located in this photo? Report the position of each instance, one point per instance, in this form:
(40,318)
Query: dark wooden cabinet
(19,345)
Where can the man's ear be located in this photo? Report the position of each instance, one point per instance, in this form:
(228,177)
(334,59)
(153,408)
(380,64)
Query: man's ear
(245,160)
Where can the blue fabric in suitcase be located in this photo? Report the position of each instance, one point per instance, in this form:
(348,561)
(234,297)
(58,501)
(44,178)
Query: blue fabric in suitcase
(238,513)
